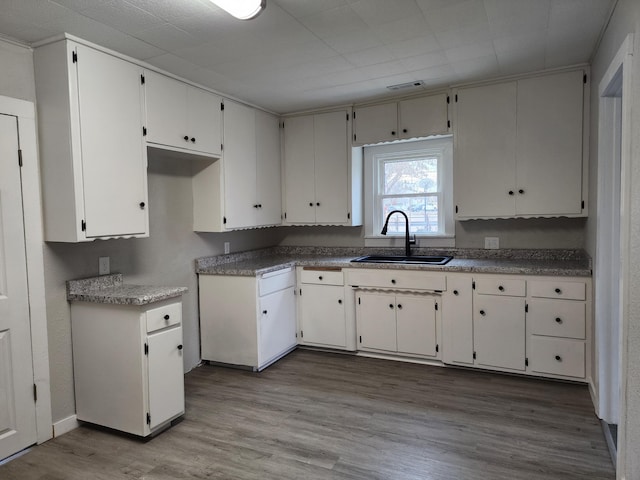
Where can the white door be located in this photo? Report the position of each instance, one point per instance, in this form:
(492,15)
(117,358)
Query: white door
(420,117)
(299,174)
(204,121)
(17,405)
(269,190)
(416,324)
(376,317)
(457,321)
(323,316)
(376,124)
(277,325)
(166,101)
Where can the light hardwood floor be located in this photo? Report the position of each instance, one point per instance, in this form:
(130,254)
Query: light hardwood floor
(317,415)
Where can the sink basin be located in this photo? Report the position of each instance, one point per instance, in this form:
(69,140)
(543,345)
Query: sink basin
(414,259)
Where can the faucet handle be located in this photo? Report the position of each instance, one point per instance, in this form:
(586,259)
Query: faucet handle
(412,240)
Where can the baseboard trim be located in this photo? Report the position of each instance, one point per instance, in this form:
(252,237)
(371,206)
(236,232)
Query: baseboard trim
(65,425)
(611,443)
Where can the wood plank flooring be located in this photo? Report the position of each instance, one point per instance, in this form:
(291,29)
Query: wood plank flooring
(317,415)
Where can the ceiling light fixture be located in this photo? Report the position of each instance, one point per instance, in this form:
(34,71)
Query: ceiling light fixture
(242,9)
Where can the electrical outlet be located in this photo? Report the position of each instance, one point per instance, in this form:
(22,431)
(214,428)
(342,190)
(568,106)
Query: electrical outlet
(227,247)
(103,266)
(492,243)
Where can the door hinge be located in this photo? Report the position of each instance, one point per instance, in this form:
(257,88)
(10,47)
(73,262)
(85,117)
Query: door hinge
(221,106)
(142,79)
(285,215)
(347,117)
(354,135)
(348,215)
(146,349)
(448,99)
(83,226)
(582,204)
(354,115)
(584,78)
(448,123)
(526,308)
(35,392)
(148,418)
(473,285)
(300,292)
(526,362)
(474,355)
(221,147)
(437,348)
(360,338)
(144,131)
(20,158)
(74,56)
(456,208)
(224,220)
(456,98)
(359,301)
(436,305)
(301,334)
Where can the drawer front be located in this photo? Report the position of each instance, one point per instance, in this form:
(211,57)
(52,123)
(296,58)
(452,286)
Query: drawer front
(558,289)
(275,281)
(393,279)
(163,317)
(557,356)
(557,318)
(511,287)
(322,277)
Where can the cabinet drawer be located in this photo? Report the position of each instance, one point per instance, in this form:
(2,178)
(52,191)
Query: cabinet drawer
(165,316)
(322,277)
(557,356)
(274,281)
(511,287)
(393,279)
(557,318)
(553,289)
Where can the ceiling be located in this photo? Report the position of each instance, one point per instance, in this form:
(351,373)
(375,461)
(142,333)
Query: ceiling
(304,54)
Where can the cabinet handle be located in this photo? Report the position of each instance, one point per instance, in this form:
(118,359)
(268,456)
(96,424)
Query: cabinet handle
(186,138)
(393,281)
(142,205)
(455,292)
(400,306)
(193,139)
(558,291)
(320,277)
(391,305)
(521,191)
(393,132)
(264,312)
(482,312)
(501,288)
(558,358)
(179,347)
(340,301)
(510,192)
(167,317)
(558,320)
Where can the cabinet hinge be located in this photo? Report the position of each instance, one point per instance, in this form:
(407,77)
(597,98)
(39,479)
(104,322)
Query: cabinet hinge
(526,308)
(473,285)
(436,305)
(221,147)
(474,355)
(300,292)
(144,131)
(224,220)
(20,158)
(354,135)
(448,99)
(448,123)
(83,226)
(35,392)
(74,57)
(301,334)
(347,117)
(456,98)
(348,215)
(584,78)
(582,204)
(221,106)
(285,215)
(437,348)
(146,349)
(142,79)
(148,418)
(354,115)
(456,208)
(360,338)
(359,301)
(526,362)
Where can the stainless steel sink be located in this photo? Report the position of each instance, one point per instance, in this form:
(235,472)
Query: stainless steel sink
(413,259)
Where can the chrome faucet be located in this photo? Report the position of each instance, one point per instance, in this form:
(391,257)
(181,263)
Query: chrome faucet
(407,241)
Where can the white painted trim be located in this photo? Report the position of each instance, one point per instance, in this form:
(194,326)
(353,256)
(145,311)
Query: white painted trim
(65,425)
(25,111)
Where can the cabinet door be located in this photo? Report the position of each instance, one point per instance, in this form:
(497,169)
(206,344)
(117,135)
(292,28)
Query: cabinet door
(457,321)
(114,169)
(549,145)
(239,166)
(204,121)
(277,325)
(166,376)
(377,123)
(416,324)
(376,319)
(485,148)
(269,189)
(299,174)
(331,167)
(421,117)
(166,101)
(322,316)
(499,331)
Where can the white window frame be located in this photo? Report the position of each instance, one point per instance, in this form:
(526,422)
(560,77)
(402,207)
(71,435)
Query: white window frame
(375,155)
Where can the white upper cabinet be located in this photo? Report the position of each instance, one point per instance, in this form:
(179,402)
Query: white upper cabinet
(519,148)
(251,167)
(93,156)
(411,118)
(182,117)
(323,181)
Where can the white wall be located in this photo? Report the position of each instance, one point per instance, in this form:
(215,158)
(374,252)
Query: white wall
(16,75)
(625,20)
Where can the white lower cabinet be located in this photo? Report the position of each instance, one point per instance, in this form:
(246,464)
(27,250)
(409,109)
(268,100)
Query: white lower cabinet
(247,321)
(128,366)
(457,320)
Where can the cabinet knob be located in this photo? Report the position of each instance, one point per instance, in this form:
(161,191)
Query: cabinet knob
(142,205)
(521,191)
(558,320)
(558,358)
(340,301)
(393,132)
(393,281)
(311,204)
(558,291)
(510,192)
(501,288)
(179,347)
(391,305)
(482,312)
(320,277)
(255,206)
(404,130)
(318,204)
(455,292)
(186,138)
(259,205)
(167,317)
(264,312)
(400,306)
(193,139)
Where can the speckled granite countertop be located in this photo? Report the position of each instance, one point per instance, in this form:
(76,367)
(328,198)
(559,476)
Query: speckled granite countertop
(111,289)
(523,262)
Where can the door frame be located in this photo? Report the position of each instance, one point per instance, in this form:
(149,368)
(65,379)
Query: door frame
(32,212)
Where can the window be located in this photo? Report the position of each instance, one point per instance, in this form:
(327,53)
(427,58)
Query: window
(415,178)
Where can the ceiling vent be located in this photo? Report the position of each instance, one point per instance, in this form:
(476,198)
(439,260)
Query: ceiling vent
(405,86)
